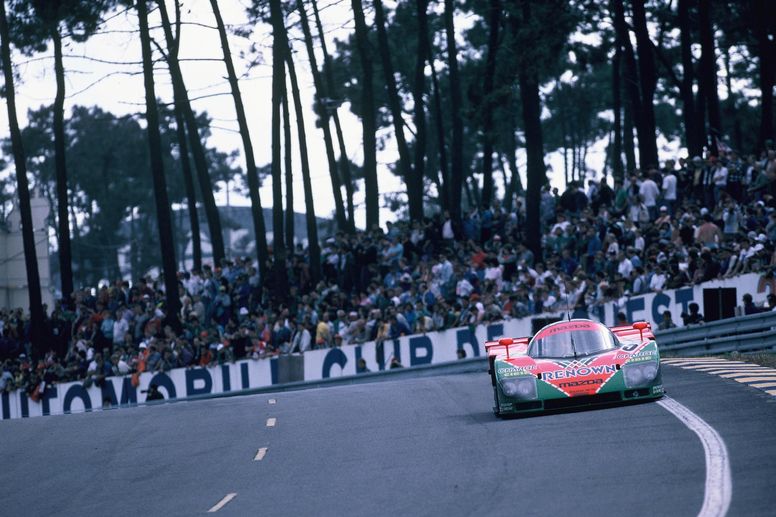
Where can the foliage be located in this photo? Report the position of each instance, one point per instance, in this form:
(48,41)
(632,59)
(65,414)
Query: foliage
(109,183)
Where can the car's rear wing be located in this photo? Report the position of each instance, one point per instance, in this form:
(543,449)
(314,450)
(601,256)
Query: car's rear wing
(640,330)
(509,346)
(504,347)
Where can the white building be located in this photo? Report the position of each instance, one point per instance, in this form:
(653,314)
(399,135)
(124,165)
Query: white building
(13,274)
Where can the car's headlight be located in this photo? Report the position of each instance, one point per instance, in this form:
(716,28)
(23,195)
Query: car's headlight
(519,387)
(639,374)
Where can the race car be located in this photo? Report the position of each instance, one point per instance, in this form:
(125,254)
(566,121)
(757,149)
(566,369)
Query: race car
(571,363)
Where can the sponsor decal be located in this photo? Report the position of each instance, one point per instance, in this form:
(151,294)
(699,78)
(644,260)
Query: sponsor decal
(567,327)
(657,390)
(586,382)
(579,372)
(644,354)
(514,371)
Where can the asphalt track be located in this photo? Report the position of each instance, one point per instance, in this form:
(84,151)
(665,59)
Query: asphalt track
(425,446)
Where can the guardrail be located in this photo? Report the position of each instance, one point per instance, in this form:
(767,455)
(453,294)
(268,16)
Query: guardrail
(755,332)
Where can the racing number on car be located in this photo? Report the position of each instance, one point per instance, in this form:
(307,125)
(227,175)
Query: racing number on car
(631,347)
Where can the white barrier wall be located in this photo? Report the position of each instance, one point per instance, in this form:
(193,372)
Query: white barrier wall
(432,348)
(650,307)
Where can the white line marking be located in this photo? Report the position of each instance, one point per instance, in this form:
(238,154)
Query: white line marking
(707,363)
(764,385)
(272,401)
(770,392)
(719,483)
(756,379)
(260,454)
(731,371)
(697,360)
(271,422)
(748,373)
(707,367)
(220,504)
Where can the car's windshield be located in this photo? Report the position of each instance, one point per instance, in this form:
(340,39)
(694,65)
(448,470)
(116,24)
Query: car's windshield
(570,339)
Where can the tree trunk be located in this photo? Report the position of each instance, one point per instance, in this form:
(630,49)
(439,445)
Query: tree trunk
(443,174)
(257,211)
(343,222)
(418,88)
(279,49)
(766,48)
(163,216)
(188,177)
(456,103)
(630,76)
(331,90)
(313,247)
(63,233)
(394,104)
(535,168)
(494,21)
(197,149)
(694,147)
(23,192)
(515,184)
(289,227)
(648,76)
(731,114)
(188,183)
(709,72)
(77,255)
(369,121)
(617,170)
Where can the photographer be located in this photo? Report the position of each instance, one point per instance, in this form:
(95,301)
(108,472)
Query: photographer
(153,393)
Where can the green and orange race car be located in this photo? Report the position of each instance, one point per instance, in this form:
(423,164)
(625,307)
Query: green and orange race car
(574,363)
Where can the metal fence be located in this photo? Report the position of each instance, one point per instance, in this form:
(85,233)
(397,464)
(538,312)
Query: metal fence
(755,332)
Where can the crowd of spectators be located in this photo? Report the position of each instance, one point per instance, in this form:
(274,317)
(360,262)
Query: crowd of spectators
(688,222)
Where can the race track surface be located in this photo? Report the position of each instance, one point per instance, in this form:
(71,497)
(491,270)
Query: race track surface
(425,446)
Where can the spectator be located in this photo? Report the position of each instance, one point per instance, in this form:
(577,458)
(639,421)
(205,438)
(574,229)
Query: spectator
(667,322)
(153,393)
(750,307)
(669,188)
(694,317)
(708,233)
(649,193)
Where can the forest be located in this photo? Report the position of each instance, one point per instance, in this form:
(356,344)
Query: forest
(461,89)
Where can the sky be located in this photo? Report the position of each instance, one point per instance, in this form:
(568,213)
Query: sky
(116,85)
